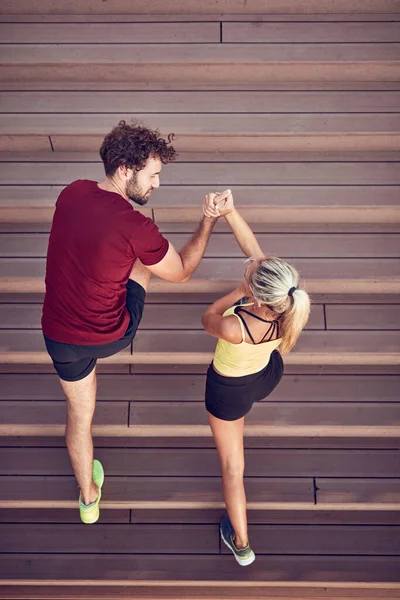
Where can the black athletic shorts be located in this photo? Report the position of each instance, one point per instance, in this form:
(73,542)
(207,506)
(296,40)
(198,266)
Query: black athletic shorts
(230,398)
(74,362)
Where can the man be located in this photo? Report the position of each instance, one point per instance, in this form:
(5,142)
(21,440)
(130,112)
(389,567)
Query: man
(100,259)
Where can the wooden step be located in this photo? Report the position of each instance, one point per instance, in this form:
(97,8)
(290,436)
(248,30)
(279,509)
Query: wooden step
(200,32)
(199,539)
(188,316)
(195,102)
(200,591)
(270,570)
(188,420)
(224,132)
(305,411)
(262,462)
(25,276)
(273,203)
(313,348)
(223,245)
(188,7)
(263,174)
(200,62)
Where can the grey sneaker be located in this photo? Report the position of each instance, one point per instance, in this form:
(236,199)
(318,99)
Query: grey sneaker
(244,556)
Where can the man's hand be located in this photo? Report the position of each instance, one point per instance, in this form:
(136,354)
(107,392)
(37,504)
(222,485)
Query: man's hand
(215,206)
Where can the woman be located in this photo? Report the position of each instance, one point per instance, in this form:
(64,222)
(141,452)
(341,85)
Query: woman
(247,365)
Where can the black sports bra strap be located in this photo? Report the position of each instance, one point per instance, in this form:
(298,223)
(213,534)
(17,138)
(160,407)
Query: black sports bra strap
(254,316)
(275,327)
(246,327)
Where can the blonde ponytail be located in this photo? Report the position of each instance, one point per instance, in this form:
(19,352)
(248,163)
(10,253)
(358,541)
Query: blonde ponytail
(274,283)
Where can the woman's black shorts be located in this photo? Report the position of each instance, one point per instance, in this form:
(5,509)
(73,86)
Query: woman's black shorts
(230,398)
(74,362)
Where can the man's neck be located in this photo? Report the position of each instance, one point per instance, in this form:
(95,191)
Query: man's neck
(108,185)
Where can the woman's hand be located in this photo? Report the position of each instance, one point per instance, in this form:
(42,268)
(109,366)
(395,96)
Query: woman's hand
(218,204)
(224,204)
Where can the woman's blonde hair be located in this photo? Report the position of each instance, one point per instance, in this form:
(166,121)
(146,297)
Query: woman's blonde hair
(274,282)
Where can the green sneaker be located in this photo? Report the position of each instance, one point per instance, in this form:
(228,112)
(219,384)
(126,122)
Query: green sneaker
(244,556)
(90,513)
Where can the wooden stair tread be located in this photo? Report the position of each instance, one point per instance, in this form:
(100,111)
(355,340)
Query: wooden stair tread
(265,462)
(167,101)
(304,245)
(207,124)
(375,540)
(197,54)
(190,7)
(269,569)
(188,316)
(179,316)
(188,419)
(301,173)
(196,592)
(172,387)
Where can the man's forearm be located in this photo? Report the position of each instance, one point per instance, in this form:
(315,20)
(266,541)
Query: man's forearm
(192,252)
(244,235)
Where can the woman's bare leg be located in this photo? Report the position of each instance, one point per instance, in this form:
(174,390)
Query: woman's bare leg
(228,436)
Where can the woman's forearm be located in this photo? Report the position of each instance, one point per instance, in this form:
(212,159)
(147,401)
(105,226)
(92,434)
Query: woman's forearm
(244,235)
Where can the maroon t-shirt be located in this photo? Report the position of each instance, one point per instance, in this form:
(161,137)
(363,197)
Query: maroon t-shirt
(95,239)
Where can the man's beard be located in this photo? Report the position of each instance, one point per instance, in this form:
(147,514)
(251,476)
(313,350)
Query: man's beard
(135,193)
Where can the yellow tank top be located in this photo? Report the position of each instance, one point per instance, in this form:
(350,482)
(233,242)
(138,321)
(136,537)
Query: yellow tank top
(237,360)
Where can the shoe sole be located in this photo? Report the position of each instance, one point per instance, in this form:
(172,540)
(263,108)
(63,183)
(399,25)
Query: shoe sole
(242,563)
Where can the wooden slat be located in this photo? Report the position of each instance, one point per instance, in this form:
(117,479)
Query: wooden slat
(331,491)
(151,492)
(215,174)
(19,591)
(217,275)
(315,245)
(305,516)
(162,85)
(164,341)
(55,413)
(343,33)
(198,102)
(189,7)
(292,388)
(368,132)
(268,570)
(188,420)
(152,62)
(17,515)
(263,196)
(383,317)
(199,539)
(156,316)
(340,540)
(168,539)
(169,387)
(110,33)
(273,414)
(204,462)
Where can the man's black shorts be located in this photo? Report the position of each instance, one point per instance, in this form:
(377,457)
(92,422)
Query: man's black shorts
(73,362)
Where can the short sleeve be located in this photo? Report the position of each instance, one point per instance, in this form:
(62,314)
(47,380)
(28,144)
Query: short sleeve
(148,243)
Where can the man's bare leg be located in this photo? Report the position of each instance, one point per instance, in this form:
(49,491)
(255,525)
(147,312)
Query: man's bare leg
(81,401)
(140,274)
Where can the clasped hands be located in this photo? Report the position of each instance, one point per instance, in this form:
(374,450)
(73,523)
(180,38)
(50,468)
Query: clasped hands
(218,204)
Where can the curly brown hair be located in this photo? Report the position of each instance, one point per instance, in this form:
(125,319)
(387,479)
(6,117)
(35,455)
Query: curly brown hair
(131,145)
